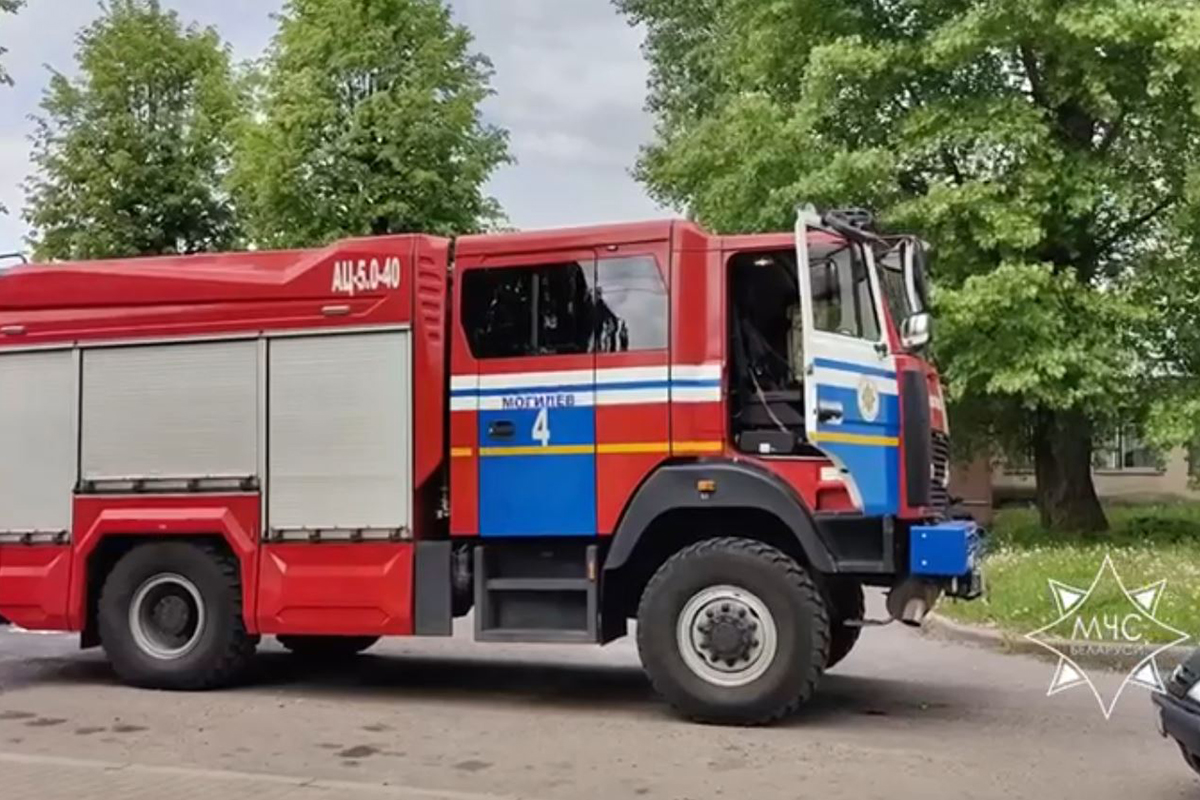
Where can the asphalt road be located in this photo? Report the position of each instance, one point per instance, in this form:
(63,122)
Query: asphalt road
(905,716)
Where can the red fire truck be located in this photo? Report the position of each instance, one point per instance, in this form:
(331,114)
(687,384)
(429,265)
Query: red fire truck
(724,438)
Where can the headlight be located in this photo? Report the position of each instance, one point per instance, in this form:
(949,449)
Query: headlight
(1194,693)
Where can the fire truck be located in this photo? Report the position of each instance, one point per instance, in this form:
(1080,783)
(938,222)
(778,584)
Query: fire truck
(721,438)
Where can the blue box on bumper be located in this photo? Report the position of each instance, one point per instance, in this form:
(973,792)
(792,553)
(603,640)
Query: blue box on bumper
(943,550)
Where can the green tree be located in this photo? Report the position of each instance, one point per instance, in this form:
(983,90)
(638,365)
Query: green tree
(1049,148)
(368,123)
(130,156)
(8,7)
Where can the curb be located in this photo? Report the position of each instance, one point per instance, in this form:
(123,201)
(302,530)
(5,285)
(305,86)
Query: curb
(941,627)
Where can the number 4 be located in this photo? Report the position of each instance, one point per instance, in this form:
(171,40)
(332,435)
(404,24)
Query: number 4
(541,428)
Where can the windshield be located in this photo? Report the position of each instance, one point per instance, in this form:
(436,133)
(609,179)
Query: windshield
(903,280)
(894,286)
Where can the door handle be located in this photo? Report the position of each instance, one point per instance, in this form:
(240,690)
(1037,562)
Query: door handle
(829,414)
(501,429)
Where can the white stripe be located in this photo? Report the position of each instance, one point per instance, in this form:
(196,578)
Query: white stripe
(696,394)
(936,402)
(696,372)
(522,380)
(610,397)
(581,377)
(628,397)
(631,374)
(538,400)
(849,380)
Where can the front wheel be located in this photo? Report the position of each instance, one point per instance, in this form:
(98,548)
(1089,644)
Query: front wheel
(847,608)
(733,631)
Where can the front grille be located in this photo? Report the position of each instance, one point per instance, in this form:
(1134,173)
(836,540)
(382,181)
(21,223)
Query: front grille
(939,494)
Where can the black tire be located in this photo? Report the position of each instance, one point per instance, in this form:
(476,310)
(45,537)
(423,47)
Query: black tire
(846,604)
(788,593)
(323,647)
(222,647)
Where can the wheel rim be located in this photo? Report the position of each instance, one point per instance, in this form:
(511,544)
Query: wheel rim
(167,616)
(727,636)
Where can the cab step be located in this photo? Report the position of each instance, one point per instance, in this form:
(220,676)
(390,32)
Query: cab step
(536,592)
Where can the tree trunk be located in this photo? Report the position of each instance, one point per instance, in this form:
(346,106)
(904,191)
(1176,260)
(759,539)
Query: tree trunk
(1062,452)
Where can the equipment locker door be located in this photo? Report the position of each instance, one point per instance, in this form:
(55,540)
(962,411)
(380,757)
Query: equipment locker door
(529,322)
(852,405)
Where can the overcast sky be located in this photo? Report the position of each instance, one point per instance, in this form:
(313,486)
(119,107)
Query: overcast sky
(570,87)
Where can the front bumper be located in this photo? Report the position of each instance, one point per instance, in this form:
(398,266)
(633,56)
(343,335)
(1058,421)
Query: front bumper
(1179,719)
(949,553)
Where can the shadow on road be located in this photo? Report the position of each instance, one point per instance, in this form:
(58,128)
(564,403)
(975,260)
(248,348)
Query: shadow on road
(601,688)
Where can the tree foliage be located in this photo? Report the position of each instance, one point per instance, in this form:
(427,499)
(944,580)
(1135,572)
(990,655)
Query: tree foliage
(1049,148)
(369,123)
(130,155)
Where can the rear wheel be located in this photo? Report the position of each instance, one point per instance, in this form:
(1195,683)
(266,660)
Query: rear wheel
(327,646)
(846,606)
(170,617)
(733,631)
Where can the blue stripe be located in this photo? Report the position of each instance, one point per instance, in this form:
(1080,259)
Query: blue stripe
(857,369)
(688,383)
(701,383)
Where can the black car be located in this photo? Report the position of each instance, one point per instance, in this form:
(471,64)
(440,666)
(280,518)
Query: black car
(1179,709)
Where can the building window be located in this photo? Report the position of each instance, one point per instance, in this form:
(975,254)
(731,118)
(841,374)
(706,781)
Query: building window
(1114,450)
(1124,449)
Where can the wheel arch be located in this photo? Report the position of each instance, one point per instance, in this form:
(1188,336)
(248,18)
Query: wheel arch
(105,556)
(669,512)
(106,531)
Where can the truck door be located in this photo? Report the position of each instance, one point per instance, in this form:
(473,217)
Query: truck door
(852,407)
(529,322)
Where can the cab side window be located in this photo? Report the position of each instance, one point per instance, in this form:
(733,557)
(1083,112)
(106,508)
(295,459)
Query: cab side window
(842,298)
(631,305)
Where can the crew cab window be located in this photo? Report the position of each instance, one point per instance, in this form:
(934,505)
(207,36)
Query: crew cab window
(842,299)
(631,305)
(529,311)
(566,309)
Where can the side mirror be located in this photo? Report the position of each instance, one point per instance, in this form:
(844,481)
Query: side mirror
(914,331)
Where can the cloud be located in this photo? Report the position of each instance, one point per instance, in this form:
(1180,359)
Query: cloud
(570,85)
